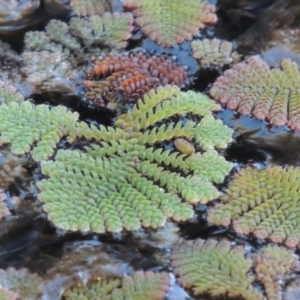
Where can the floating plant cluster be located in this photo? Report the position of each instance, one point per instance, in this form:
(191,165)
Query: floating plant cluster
(267,93)
(90,7)
(160,161)
(218,268)
(128,180)
(170,22)
(262,202)
(214,53)
(129,76)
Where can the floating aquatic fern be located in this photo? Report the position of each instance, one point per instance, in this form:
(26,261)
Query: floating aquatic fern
(214,52)
(262,202)
(142,285)
(111,30)
(170,22)
(253,87)
(4,211)
(214,268)
(218,268)
(271,264)
(23,283)
(35,129)
(90,7)
(9,94)
(131,75)
(127,179)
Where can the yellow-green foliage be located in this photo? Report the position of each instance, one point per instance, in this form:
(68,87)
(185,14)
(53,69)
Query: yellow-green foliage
(90,7)
(128,180)
(35,129)
(214,268)
(9,94)
(271,264)
(140,286)
(262,202)
(214,52)
(220,269)
(169,22)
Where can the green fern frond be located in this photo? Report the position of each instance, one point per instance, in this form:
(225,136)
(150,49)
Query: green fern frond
(164,103)
(262,202)
(39,128)
(215,268)
(169,22)
(100,186)
(146,184)
(167,133)
(212,133)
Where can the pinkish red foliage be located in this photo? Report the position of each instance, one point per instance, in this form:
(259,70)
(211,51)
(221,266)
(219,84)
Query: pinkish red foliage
(131,75)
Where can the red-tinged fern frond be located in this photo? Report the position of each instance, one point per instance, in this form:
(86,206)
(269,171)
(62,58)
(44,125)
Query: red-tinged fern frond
(130,76)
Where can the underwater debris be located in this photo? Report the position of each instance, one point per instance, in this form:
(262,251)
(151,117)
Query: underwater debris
(7,53)
(292,290)
(253,87)
(11,168)
(20,15)
(4,211)
(214,268)
(9,65)
(85,8)
(271,264)
(214,53)
(184,146)
(83,261)
(129,76)
(170,22)
(128,181)
(16,11)
(141,285)
(22,282)
(262,202)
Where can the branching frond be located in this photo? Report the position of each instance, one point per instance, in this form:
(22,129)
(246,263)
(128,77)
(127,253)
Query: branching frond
(262,202)
(170,22)
(214,268)
(127,180)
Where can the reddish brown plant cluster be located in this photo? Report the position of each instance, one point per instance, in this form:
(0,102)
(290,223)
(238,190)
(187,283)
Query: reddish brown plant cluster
(131,75)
